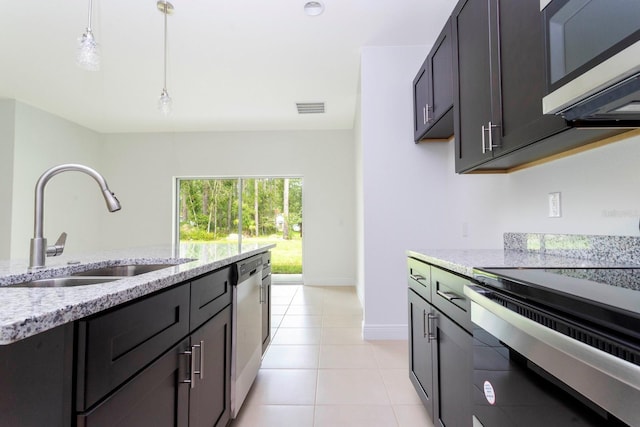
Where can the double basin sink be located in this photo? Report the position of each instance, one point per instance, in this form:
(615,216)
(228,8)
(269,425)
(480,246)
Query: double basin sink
(94,276)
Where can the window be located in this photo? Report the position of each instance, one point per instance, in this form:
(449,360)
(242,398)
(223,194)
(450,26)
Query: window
(244,210)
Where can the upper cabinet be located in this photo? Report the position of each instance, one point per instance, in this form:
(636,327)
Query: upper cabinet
(499,82)
(433,91)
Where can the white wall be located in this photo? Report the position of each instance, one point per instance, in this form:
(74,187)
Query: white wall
(142,168)
(414,200)
(404,199)
(7,120)
(73,203)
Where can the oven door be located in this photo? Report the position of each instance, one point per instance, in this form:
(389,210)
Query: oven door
(525,374)
(590,45)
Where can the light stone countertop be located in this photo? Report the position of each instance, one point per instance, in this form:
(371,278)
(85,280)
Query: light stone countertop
(463,261)
(28,311)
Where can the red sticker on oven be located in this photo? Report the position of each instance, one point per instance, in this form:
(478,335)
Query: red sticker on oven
(489,393)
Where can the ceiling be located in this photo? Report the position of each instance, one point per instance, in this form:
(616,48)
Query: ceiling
(232,64)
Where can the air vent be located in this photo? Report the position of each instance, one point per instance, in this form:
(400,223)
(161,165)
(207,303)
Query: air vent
(310,107)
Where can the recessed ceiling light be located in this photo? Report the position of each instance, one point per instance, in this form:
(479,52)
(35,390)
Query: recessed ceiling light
(313,8)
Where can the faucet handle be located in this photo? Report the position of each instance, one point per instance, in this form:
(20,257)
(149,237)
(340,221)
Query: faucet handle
(58,247)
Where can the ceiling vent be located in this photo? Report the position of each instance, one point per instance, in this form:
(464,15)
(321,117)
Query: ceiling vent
(310,107)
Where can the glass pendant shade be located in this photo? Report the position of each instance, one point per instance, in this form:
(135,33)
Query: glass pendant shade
(165,103)
(88,54)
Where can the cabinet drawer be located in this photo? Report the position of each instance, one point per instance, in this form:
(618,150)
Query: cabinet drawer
(113,346)
(209,295)
(419,277)
(447,293)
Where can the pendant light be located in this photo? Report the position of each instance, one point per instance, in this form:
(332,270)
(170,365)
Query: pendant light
(88,55)
(165,102)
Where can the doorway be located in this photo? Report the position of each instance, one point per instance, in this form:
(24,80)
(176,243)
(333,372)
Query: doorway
(244,210)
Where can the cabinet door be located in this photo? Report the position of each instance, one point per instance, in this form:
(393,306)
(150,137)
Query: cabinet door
(154,397)
(519,41)
(210,396)
(440,109)
(454,381)
(421,99)
(421,363)
(472,77)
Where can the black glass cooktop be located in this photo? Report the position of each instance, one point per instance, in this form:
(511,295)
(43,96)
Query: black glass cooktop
(621,277)
(603,297)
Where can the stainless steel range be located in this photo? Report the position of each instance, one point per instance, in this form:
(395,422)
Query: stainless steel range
(556,347)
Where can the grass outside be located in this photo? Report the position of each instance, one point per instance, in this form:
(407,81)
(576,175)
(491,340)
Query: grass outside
(286,257)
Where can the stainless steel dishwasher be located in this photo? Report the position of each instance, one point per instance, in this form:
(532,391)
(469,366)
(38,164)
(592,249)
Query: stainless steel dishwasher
(246,329)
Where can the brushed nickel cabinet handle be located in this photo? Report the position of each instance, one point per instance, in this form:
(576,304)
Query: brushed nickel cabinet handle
(431,319)
(201,371)
(191,380)
(449,296)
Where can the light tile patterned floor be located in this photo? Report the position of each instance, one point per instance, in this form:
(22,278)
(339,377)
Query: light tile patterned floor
(319,371)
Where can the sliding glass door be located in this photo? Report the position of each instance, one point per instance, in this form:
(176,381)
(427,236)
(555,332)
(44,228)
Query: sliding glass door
(244,210)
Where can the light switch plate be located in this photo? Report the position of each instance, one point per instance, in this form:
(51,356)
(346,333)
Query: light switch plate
(554,205)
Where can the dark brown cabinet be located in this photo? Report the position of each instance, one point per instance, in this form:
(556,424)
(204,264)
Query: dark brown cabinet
(421,366)
(499,75)
(433,91)
(114,346)
(210,394)
(127,378)
(153,397)
(440,345)
(499,82)
(160,360)
(36,380)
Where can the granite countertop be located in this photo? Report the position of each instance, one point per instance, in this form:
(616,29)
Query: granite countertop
(463,261)
(29,311)
(539,250)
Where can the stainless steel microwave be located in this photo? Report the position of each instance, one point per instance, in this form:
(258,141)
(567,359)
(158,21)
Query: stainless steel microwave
(592,59)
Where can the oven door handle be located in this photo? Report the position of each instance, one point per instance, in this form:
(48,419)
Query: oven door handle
(610,382)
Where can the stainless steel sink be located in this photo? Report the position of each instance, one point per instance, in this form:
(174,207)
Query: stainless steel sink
(93,277)
(61,282)
(123,270)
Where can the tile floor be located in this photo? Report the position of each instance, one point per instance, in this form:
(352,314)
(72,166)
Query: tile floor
(319,372)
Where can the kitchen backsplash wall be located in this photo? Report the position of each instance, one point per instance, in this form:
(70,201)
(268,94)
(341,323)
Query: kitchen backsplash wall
(614,249)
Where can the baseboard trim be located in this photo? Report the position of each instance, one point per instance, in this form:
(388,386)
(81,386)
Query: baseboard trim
(328,281)
(385,332)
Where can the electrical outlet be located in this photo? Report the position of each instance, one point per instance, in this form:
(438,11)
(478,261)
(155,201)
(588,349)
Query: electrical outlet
(554,205)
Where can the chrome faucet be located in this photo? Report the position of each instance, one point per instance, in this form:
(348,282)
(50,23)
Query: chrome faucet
(39,248)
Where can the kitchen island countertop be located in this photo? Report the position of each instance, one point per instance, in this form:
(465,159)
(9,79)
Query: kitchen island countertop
(29,311)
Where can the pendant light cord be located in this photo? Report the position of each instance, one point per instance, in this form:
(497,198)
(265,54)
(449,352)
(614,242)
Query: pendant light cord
(165,46)
(90,10)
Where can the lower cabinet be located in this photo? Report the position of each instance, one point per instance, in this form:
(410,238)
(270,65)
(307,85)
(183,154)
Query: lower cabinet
(36,380)
(210,391)
(164,360)
(161,360)
(440,355)
(421,355)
